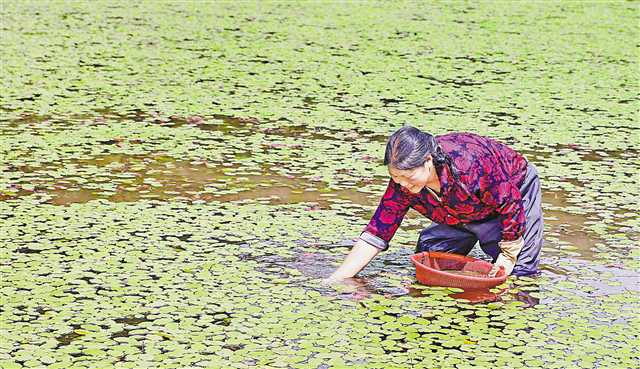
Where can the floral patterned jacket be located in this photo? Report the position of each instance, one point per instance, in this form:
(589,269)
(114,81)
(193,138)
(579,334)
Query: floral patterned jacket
(490,177)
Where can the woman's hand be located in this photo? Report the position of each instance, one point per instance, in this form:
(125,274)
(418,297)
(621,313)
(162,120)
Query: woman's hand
(330,281)
(509,251)
(360,255)
(502,261)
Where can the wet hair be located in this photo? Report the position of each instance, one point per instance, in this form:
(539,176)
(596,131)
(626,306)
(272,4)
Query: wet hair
(408,148)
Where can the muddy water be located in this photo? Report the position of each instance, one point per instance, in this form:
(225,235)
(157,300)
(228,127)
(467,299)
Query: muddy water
(236,126)
(570,229)
(165,178)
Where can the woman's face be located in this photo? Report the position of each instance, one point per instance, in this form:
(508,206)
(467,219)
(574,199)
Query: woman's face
(414,179)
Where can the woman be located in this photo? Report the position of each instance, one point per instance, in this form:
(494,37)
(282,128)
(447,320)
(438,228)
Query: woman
(473,188)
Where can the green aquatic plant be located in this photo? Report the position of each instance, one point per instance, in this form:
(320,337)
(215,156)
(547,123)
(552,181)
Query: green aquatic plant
(177,177)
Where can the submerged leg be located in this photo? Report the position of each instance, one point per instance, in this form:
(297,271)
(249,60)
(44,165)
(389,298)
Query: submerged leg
(444,238)
(529,257)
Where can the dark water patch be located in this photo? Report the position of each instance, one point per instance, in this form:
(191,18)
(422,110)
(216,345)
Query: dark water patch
(122,333)
(318,265)
(472,59)
(540,154)
(66,338)
(27,119)
(456,83)
(443,109)
(26,250)
(181,237)
(349,110)
(536,155)
(303,131)
(42,309)
(132,320)
(370,135)
(585,109)
(309,101)
(570,229)
(237,122)
(391,101)
(503,116)
(234,347)
(600,155)
(246,126)
(38,123)
(236,126)
(591,154)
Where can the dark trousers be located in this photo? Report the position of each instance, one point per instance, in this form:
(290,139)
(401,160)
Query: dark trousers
(460,239)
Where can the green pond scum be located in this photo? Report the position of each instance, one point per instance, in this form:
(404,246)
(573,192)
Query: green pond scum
(178,177)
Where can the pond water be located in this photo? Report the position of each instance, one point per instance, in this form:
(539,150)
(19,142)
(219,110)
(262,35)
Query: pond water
(177,179)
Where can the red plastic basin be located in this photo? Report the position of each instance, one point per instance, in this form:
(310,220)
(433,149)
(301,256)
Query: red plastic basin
(432,267)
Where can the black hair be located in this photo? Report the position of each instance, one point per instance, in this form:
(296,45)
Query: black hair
(408,148)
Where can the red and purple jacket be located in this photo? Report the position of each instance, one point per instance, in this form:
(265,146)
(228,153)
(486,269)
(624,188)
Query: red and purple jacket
(490,176)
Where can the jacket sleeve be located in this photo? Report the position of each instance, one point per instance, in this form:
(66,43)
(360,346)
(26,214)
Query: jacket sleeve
(387,218)
(507,200)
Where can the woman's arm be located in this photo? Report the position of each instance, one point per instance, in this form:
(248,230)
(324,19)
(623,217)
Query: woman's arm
(381,228)
(360,255)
